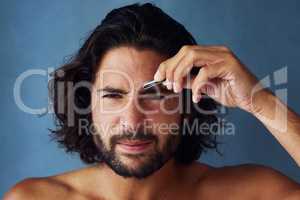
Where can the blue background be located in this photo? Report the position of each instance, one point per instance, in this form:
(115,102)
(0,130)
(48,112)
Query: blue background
(39,34)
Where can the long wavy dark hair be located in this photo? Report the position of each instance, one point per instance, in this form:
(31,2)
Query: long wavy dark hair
(143,26)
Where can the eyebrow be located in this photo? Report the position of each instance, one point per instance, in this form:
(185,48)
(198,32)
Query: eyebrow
(152,90)
(110,89)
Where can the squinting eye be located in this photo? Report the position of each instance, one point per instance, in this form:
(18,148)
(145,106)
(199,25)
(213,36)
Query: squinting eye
(112,96)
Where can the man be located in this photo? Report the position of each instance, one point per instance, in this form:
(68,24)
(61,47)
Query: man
(137,139)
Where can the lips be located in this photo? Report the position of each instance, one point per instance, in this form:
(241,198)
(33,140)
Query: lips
(134,142)
(134,146)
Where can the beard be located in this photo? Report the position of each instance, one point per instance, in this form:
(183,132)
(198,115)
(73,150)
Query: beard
(148,162)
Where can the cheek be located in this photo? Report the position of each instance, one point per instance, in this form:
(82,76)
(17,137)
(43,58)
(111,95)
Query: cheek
(103,115)
(167,116)
(105,124)
(166,141)
(166,124)
(112,105)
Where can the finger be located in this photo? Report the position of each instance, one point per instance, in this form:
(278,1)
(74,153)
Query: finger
(199,81)
(170,71)
(198,59)
(189,56)
(161,71)
(220,48)
(205,74)
(183,69)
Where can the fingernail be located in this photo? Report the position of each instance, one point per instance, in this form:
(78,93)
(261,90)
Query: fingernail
(196,98)
(175,88)
(168,84)
(157,76)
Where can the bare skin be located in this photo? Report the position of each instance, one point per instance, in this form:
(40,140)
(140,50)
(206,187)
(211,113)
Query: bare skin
(196,181)
(174,181)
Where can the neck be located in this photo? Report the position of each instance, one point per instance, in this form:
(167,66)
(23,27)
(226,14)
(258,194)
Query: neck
(118,187)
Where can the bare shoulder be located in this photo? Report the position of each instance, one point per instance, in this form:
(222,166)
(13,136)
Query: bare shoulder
(255,181)
(57,186)
(34,188)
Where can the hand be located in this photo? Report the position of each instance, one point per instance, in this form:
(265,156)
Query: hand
(221,76)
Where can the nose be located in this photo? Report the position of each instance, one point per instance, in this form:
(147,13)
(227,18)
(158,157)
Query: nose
(132,117)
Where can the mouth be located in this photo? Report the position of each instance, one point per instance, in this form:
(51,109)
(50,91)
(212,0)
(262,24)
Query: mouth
(134,146)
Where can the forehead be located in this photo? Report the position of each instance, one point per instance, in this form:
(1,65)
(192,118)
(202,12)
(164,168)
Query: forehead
(124,64)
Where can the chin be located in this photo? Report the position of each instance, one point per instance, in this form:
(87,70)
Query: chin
(134,161)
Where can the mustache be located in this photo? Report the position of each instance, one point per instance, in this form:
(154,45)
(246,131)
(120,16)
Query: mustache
(128,135)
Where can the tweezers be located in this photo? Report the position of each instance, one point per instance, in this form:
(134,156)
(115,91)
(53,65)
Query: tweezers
(152,83)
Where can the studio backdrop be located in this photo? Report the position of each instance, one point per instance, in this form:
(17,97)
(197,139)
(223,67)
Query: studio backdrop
(37,36)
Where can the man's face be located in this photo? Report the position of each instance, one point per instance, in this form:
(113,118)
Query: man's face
(137,129)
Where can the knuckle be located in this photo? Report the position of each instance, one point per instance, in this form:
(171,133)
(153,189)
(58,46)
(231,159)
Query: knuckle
(229,56)
(192,54)
(162,67)
(224,48)
(186,48)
